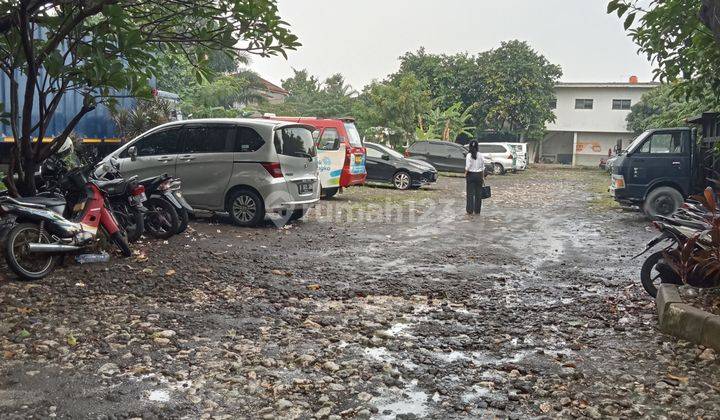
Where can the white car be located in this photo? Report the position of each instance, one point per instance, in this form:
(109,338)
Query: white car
(501,155)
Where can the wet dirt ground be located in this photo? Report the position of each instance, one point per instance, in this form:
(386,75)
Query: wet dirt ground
(381,303)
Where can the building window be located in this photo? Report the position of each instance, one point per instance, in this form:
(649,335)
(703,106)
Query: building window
(553,103)
(623,104)
(583,104)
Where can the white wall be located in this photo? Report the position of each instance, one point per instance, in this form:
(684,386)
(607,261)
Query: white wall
(602,118)
(591,147)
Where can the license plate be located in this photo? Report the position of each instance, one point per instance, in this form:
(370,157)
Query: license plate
(140,198)
(305,188)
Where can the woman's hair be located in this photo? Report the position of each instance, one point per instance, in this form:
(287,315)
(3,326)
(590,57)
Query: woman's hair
(473,149)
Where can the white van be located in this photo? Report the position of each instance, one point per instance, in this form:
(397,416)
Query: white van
(501,155)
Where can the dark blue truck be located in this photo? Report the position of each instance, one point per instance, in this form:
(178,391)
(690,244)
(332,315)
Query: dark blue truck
(663,166)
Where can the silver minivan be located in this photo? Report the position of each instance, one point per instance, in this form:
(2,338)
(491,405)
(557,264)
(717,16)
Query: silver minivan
(245,167)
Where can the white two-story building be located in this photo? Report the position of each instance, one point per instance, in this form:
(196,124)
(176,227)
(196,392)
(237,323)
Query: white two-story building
(590,121)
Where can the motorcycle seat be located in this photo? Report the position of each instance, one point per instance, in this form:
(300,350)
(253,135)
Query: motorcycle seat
(43,201)
(104,183)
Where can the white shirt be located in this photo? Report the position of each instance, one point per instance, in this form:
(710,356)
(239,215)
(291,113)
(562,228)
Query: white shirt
(475,165)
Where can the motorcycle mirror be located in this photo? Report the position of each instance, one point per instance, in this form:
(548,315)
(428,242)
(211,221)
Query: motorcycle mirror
(115,163)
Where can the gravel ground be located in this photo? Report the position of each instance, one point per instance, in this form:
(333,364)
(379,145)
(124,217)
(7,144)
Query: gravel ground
(381,304)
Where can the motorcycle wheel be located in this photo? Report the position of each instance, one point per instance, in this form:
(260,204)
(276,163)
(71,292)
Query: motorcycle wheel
(161,220)
(26,265)
(121,242)
(184,220)
(651,277)
(131,221)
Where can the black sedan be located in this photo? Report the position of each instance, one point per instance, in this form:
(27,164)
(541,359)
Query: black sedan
(386,165)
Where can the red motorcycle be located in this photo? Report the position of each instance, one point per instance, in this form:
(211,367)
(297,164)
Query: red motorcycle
(41,233)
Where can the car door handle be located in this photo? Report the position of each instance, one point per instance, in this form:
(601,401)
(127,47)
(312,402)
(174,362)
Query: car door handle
(164,159)
(676,163)
(187,158)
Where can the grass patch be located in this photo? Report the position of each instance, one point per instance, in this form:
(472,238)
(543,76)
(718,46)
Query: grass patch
(602,199)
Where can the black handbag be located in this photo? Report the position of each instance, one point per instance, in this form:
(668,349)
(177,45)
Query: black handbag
(486,193)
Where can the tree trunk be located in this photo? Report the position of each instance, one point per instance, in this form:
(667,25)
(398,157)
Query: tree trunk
(710,16)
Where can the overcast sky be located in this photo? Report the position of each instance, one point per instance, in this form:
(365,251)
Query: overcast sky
(362,39)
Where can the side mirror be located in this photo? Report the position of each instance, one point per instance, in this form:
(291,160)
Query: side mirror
(385,157)
(132,152)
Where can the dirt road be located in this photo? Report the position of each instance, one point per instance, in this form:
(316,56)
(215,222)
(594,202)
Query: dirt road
(380,304)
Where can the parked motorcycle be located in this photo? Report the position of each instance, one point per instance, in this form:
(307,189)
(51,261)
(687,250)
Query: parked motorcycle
(41,234)
(168,212)
(689,225)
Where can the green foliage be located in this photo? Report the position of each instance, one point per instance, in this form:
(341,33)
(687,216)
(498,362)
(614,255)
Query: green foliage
(223,97)
(393,107)
(661,107)
(146,114)
(102,47)
(508,88)
(446,124)
(681,46)
(518,87)
(309,97)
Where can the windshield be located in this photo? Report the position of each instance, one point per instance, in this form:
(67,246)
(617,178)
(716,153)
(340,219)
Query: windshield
(355,139)
(294,141)
(391,152)
(636,143)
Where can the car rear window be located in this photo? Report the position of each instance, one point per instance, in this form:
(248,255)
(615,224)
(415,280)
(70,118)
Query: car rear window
(294,141)
(418,147)
(355,139)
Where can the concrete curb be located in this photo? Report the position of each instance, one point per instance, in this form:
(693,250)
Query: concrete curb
(684,321)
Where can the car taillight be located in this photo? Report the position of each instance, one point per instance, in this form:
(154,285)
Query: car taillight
(139,190)
(656,225)
(510,156)
(273,169)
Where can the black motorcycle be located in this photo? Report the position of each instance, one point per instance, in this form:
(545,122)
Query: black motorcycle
(168,212)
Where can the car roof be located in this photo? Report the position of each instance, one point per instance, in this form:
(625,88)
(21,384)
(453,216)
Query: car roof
(256,122)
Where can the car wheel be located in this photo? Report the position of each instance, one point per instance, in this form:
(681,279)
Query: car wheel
(329,192)
(246,208)
(498,169)
(401,180)
(662,201)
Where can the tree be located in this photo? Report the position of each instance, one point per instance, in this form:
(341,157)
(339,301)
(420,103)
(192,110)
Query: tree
(517,86)
(224,96)
(680,37)
(508,88)
(660,107)
(394,106)
(103,49)
(146,114)
(449,78)
(332,98)
(446,124)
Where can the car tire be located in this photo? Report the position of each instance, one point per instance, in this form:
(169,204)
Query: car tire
(246,208)
(329,192)
(662,201)
(402,180)
(498,169)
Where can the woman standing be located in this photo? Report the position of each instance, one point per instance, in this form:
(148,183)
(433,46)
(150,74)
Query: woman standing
(474,167)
